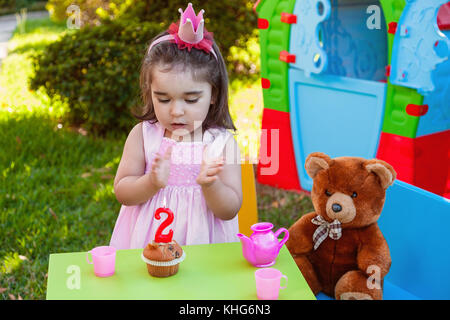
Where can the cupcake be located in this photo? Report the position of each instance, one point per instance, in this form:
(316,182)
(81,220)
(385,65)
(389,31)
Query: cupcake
(163,258)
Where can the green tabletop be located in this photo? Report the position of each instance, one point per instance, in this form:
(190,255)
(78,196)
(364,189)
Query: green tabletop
(209,272)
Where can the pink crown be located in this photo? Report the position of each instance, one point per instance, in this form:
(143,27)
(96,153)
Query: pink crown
(190,32)
(191,25)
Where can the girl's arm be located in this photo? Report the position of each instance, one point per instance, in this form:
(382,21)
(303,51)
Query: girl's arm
(131,185)
(222,184)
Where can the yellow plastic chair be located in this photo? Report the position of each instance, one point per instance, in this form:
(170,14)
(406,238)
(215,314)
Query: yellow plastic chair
(248,215)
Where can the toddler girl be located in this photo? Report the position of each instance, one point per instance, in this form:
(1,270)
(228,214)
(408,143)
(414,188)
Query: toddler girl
(181,155)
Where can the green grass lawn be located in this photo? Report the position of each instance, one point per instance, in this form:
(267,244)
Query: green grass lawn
(56,183)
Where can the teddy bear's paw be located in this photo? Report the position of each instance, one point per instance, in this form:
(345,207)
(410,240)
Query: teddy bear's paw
(355,296)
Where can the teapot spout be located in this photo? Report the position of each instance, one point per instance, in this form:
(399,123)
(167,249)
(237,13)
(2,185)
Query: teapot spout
(247,248)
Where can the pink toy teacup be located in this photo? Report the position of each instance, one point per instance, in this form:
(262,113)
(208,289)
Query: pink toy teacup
(104,260)
(268,283)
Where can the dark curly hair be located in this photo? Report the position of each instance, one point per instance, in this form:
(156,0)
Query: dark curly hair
(204,67)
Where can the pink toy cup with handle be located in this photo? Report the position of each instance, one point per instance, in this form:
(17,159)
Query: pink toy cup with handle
(104,260)
(268,282)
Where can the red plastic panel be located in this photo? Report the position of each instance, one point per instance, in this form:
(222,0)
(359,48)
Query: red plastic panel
(263,23)
(423,161)
(392,27)
(388,71)
(288,18)
(417,110)
(265,83)
(432,163)
(398,151)
(287,57)
(276,152)
(443,18)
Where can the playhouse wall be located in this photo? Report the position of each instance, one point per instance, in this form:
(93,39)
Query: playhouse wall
(273,39)
(276,165)
(417,146)
(396,120)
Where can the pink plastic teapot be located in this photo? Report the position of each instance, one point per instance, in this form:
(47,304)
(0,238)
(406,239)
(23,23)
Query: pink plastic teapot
(262,248)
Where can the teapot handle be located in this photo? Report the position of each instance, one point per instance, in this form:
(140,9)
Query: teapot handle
(286,236)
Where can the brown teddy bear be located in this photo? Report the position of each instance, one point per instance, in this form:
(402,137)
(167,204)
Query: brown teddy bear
(339,248)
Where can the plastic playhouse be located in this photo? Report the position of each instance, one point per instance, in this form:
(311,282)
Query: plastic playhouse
(367,78)
(337,80)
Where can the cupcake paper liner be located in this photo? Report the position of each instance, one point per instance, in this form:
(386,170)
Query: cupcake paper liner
(164,263)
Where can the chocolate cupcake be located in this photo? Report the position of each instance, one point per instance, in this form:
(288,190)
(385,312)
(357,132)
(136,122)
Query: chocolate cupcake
(163,259)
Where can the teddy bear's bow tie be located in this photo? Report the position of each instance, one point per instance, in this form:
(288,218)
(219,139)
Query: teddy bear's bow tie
(325,229)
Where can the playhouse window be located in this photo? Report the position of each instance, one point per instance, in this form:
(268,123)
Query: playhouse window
(355,40)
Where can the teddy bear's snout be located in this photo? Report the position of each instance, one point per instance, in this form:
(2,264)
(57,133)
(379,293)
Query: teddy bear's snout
(336,207)
(341,207)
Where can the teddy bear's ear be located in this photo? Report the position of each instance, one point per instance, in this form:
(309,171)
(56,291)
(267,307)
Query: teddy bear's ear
(316,162)
(383,170)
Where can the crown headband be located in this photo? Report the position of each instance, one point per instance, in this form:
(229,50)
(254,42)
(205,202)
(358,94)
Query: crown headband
(190,32)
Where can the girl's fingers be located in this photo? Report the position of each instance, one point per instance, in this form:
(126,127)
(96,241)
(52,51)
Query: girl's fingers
(155,166)
(216,165)
(208,180)
(158,159)
(213,171)
(168,153)
(205,158)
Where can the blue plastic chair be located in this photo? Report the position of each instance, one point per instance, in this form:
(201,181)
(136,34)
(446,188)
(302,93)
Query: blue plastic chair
(415,224)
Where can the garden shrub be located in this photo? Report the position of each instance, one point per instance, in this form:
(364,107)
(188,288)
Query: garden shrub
(96,70)
(231,21)
(16,4)
(7,3)
(89,10)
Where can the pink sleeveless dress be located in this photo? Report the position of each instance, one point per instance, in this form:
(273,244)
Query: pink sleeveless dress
(194,222)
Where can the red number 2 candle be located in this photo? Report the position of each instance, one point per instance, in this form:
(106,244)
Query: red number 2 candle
(159,237)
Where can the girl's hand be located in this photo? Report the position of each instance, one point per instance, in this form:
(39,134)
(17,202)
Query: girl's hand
(161,169)
(209,170)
